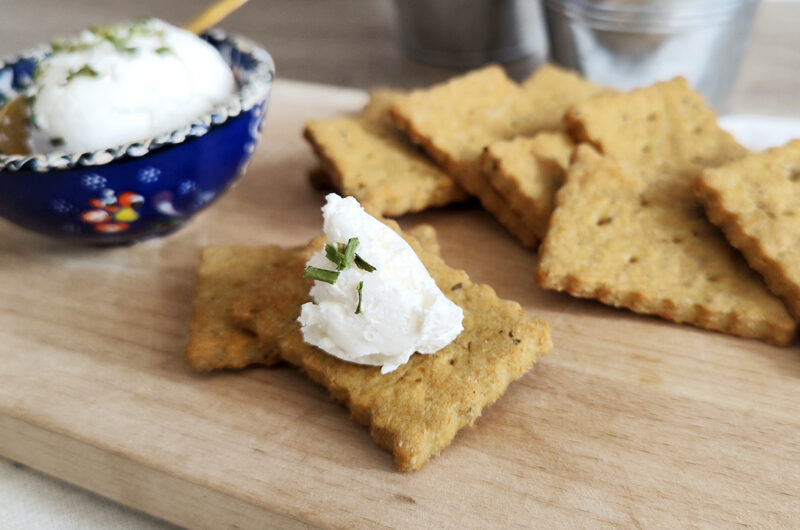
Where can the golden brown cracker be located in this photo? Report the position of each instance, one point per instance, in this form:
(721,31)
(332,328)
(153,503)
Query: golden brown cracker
(472,179)
(224,273)
(552,90)
(666,126)
(415,411)
(555,146)
(527,172)
(368,158)
(456,120)
(376,112)
(425,235)
(756,203)
(635,238)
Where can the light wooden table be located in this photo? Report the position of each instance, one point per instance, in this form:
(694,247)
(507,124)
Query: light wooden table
(352,43)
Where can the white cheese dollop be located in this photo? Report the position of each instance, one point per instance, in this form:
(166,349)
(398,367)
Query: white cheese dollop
(402,309)
(125,83)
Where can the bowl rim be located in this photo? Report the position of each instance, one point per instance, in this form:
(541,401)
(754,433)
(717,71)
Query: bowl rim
(252,90)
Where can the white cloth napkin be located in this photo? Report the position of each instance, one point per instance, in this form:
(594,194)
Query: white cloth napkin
(34,501)
(761,132)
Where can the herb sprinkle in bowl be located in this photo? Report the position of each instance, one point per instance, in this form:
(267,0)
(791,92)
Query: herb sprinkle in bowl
(132,129)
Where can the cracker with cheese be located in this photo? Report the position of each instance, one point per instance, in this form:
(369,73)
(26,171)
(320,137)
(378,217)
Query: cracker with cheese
(416,410)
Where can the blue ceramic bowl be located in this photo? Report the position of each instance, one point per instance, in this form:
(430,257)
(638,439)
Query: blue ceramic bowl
(144,189)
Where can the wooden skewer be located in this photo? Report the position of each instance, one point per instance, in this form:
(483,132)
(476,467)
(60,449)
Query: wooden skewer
(213,14)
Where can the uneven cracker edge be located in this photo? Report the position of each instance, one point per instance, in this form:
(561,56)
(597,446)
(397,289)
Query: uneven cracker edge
(540,343)
(701,317)
(387,209)
(727,221)
(459,172)
(528,211)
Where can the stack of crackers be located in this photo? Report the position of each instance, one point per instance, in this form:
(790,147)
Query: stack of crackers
(638,200)
(623,194)
(374,156)
(246,306)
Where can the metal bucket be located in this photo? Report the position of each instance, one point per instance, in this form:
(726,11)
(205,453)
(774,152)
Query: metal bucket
(628,43)
(469,33)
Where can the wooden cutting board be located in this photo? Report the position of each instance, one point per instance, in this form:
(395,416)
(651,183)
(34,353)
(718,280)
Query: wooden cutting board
(630,421)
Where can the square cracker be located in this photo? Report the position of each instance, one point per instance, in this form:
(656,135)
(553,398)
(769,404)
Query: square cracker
(415,411)
(665,126)
(636,238)
(552,91)
(454,121)
(216,342)
(471,178)
(527,172)
(756,203)
(224,273)
(368,158)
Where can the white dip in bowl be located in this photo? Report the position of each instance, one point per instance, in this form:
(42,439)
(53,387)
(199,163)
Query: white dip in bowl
(124,83)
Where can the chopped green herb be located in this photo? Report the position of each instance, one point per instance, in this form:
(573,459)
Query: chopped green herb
(124,48)
(321,274)
(40,70)
(334,254)
(56,142)
(163,50)
(349,252)
(119,35)
(58,45)
(84,70)
(142,26)
(79,46)
(120,44)
(358,290)
(340,254)
(363,265)
(343,256)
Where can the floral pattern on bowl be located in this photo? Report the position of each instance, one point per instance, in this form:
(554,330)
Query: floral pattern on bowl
(164,180)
